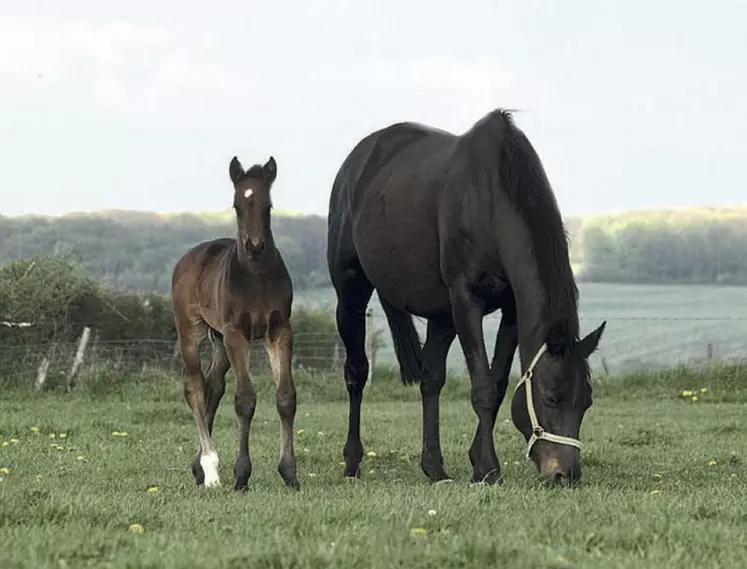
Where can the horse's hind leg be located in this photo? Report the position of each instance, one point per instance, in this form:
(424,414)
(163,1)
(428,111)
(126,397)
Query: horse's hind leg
(215,386)
(279,346)
(353,293)
(205,469)
(438,340)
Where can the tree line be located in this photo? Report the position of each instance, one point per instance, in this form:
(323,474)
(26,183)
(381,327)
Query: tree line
(136,251)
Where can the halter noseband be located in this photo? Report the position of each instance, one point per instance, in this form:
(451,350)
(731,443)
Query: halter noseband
(538,433)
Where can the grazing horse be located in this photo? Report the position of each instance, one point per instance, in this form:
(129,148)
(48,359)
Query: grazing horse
(451,228)
(237,290)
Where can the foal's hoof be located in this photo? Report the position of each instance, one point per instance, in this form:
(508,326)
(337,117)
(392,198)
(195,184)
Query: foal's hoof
(198,473)
(240,487)
(287,471)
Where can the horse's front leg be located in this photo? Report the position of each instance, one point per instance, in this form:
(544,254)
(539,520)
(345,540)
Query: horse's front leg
(468,313)
(245,400)
(503,355)
(279,348)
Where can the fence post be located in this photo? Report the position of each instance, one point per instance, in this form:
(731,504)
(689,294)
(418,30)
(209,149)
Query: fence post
(78,357)
(41,372)
(369,344)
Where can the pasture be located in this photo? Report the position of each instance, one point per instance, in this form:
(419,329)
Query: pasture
(648,326)
(100,478)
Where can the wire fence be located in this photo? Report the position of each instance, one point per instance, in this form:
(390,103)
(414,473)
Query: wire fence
(629,344)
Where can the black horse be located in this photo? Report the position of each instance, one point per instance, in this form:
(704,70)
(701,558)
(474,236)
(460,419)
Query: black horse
(451,228)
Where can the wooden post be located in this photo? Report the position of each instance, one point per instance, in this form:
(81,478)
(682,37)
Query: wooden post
(369,344)
(41,373)
(78,357)
(709,354)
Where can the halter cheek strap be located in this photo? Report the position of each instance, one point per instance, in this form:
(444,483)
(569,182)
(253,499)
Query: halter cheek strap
(538,433)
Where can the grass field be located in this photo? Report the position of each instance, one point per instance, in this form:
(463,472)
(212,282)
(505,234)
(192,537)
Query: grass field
(648,326)
(664,482)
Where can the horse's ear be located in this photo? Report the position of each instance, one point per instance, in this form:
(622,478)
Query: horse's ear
(557,337)
(587,345)
(235,170)
(270,170)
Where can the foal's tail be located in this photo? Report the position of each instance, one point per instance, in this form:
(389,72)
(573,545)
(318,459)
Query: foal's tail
(406,343)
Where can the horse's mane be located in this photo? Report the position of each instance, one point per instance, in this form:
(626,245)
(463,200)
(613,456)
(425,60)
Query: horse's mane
(501,158)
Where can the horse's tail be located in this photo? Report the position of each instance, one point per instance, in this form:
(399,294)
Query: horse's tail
(406,342)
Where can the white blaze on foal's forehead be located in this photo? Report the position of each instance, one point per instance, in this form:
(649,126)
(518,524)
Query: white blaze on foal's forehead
(248,193)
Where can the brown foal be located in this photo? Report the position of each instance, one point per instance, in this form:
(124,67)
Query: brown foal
(237,290)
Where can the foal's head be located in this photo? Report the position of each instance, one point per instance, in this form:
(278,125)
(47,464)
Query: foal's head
(252,203)
(560,396)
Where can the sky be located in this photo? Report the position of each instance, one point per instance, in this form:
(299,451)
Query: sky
(141,105)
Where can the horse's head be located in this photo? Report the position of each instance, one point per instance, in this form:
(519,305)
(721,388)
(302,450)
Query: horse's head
(252,203)
(551,399)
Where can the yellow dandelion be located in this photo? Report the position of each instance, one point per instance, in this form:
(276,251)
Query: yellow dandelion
(300,431)
(136,528)
(654,492)
(153,489)
(5,444)
(62,436)
(417,532)
(372,471)
(5,470)
(370,453)
(306,449)
(52,436)
(80,457)
(656,476)
(14,441)
(703,389)
(119,433)
(311,475)
(431,512)
(341,463)
(34,429)
(712,463)
(687,393)
(320,433)
(694,398)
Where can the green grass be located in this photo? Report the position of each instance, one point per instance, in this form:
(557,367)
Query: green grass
(651,496)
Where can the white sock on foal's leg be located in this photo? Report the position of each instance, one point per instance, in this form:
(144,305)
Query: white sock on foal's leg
(209,463)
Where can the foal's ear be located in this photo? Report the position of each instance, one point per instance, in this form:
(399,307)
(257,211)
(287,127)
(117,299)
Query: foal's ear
(235,170)
(271,170)
(557,337)
(587,345)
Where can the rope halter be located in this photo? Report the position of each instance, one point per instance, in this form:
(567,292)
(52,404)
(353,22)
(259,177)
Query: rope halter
(538,433)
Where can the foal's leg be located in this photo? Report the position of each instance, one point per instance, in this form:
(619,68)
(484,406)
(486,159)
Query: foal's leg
(352,298)
(205,468)
(215,387)
(280,351)
(468,313)
(438,340)
(245,400)
(503,355)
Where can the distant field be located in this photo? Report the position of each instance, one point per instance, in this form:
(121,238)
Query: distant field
(648,326)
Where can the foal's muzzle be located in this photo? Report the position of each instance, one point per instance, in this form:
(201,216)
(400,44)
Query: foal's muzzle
(255,246)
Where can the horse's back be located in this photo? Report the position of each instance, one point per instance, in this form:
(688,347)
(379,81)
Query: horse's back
(384,211)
